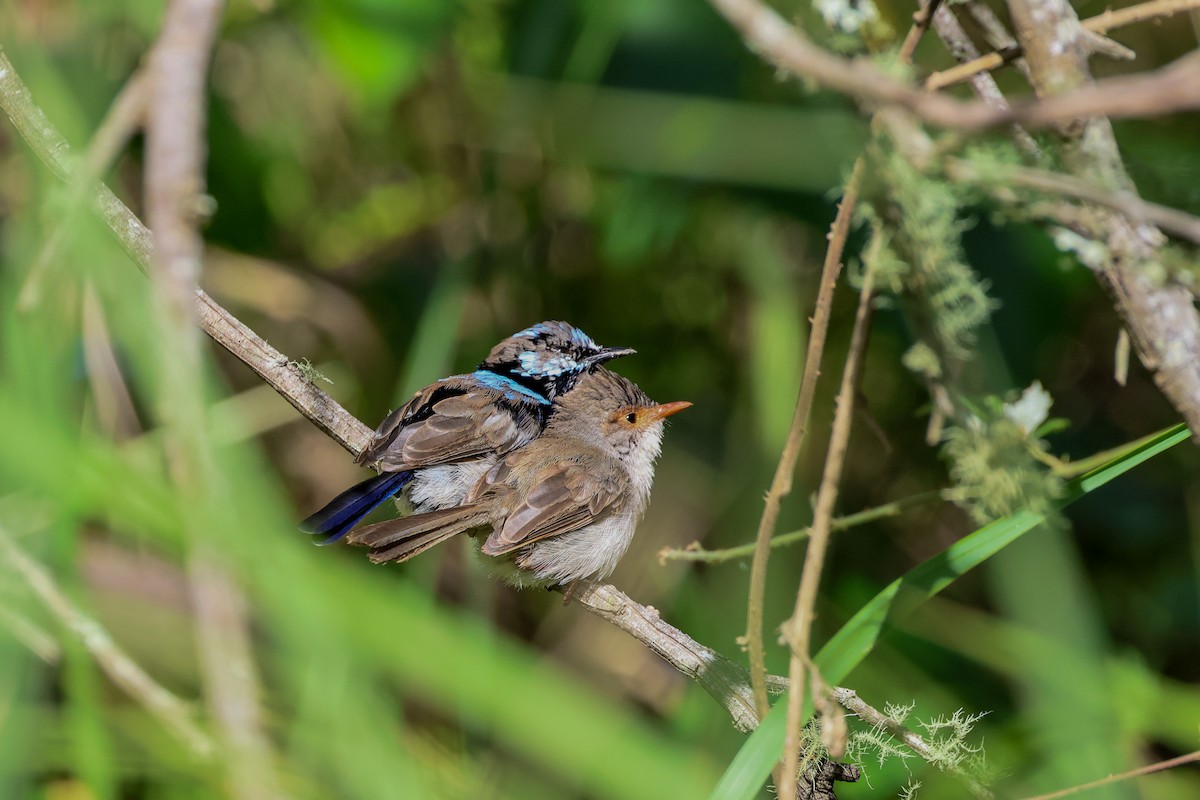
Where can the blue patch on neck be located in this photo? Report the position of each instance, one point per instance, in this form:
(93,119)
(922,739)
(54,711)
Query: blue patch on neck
(511,389)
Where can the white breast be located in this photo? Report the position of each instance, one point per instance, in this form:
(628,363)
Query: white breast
(445,485)
(591,552)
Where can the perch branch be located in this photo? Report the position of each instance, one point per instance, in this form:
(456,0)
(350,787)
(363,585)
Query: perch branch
(704,665)
(119,123)
(174,714)
(724,680)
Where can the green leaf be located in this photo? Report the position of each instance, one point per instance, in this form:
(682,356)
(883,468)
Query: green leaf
(849,646)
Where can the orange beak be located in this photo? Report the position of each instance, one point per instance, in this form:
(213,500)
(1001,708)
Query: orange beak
(665,410)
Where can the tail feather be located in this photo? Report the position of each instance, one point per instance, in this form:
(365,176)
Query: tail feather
(408,548)
(401,539)
(347,509)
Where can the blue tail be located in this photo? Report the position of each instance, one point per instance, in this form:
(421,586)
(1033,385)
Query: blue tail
(346,510)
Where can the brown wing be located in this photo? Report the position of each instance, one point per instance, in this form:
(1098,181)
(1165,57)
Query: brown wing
(449,422)
(563,497)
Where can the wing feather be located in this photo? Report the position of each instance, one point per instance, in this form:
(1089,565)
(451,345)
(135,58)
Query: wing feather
(565,497)
(451,420)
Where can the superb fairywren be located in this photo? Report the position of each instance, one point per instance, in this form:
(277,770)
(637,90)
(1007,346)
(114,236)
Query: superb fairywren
(439,444)
(563,507)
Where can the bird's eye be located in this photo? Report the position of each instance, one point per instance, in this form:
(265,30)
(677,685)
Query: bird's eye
(631,417)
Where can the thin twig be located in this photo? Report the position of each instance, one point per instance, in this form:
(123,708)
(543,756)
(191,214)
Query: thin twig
(695,552)
(849,700)
(798,630)
(1109,20)
(1127,203)
(781,484)
(951,32)
(174,714)
(1149,769)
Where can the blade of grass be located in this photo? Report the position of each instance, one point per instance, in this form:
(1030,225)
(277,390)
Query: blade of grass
(849,646)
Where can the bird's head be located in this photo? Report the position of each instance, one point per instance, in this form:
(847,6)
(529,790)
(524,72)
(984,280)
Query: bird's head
(550,356)
(612,412)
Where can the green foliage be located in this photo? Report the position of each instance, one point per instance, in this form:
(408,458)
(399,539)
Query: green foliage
(398,184)
(858,637)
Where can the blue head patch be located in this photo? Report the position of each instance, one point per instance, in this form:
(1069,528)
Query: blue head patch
(511,389)
(559,335)
(546,364)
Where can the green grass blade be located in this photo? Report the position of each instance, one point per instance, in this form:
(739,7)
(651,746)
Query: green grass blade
(850,645)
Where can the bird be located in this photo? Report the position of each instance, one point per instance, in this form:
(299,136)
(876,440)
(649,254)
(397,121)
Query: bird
(436,446)
(564,507)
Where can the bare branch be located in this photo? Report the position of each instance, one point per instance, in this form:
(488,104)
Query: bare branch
(122,119)
(951,32)
(1161,319)
(724,680)
(1175,87)
(1149,769)
(1127,203)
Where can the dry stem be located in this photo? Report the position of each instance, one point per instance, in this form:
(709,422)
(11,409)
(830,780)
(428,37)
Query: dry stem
(1149,769)
(797,631)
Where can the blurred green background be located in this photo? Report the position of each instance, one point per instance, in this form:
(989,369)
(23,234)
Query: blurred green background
(399,184)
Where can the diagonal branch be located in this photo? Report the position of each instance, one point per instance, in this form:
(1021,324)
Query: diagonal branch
(1175,87)
(272,366)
